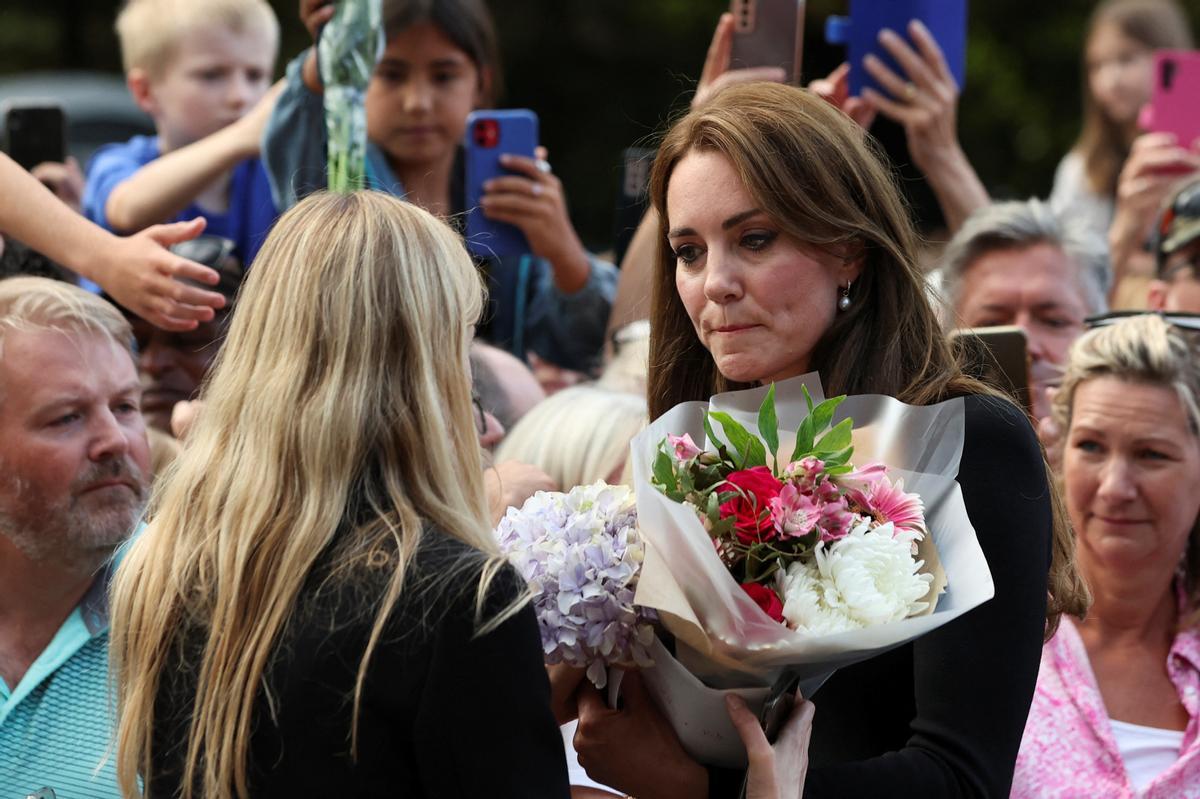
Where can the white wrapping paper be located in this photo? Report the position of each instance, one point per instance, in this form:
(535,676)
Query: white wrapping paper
(723,639)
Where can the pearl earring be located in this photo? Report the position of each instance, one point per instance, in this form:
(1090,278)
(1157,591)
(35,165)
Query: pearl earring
(843,303)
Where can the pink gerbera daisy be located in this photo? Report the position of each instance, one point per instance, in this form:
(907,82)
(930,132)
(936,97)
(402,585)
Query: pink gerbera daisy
(889,502)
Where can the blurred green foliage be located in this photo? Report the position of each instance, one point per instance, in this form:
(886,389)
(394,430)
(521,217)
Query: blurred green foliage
(607,74)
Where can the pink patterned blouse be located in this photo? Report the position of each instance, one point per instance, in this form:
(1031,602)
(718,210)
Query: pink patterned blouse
(1069,749)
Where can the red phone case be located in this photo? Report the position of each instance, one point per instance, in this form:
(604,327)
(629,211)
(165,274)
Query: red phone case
(768,33)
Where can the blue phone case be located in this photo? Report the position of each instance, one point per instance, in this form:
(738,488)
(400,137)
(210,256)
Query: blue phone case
(946,20)
(489,134)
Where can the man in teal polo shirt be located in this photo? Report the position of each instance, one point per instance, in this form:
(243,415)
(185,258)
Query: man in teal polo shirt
(73,481)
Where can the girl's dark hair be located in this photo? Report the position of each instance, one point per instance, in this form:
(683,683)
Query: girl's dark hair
(467,23)
(1103,142)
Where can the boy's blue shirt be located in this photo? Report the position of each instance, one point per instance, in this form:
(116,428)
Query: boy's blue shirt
(251,209)
(528,313)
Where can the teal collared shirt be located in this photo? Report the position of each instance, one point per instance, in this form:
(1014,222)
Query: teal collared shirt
(56,725)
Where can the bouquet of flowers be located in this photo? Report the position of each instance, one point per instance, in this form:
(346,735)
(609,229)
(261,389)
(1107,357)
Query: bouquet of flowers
(580,553)
(817,544)
(770,555)
(349,47)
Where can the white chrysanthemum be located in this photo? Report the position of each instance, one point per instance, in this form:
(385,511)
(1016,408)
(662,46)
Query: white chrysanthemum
(866,578)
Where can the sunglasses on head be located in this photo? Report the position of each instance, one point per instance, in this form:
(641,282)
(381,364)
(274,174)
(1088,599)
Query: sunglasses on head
(1183,321)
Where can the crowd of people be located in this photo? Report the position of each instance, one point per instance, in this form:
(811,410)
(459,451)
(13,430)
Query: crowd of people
(255,436)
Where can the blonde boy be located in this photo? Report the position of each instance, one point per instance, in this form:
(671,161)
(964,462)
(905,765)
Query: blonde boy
(202,70)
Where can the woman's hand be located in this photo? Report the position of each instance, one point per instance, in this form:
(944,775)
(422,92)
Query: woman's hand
(926,105)
(533,201)
(777,771)
(835,90)
(633,748)
(716,74)
(564,686)
(144,276)
(1155,165)
(314,14)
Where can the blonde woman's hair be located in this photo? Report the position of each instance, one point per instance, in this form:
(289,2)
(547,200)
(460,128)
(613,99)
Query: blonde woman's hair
(1142,349)
(818,176)
(39,303)
(578,435)
(337,419)
(150,31)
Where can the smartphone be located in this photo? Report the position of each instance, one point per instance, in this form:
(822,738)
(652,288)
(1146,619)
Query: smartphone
(632,199)
(1173,104)
(490,134)
(998,356)
(34,132)
(859,32)
(768,33)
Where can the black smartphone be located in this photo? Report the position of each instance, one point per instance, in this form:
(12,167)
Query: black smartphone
(999,356)
(34,133)
(768,33)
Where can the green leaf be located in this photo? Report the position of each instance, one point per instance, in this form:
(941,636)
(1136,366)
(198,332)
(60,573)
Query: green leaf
(749,449)
(822,415)
(768,424)
(712,437)
(839,458)
(807,398)
(836,439)
(804,439)
(843,468)
(664,471)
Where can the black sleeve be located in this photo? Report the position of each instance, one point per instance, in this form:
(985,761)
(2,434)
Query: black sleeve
(484,725)
(973,679)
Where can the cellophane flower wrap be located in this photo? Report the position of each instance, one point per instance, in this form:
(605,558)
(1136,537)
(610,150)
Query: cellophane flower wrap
(580,553)
(348,49)
(787,534)
(819,545)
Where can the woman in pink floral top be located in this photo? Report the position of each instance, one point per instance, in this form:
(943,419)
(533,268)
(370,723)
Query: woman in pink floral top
(1116,709)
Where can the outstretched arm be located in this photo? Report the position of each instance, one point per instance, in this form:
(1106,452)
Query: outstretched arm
(138,271)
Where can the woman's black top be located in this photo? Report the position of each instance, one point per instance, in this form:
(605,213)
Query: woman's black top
(943,716)
(444,713)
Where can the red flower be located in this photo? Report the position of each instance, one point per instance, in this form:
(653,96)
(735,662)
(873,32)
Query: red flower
(767,599)
(752,506)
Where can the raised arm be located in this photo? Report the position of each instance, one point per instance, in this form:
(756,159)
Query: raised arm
(138,271)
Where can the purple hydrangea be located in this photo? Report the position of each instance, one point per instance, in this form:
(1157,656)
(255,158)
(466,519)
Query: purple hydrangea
(581,553)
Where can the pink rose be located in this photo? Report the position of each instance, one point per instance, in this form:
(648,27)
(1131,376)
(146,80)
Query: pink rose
(685,448)
(752,506)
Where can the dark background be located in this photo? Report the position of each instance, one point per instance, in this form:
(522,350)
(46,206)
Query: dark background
(607,74)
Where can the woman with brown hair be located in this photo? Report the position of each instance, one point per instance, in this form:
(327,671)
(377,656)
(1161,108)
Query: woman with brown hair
(785,249)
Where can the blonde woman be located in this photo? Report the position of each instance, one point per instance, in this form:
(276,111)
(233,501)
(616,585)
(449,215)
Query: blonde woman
(1116,707)
(317,608)
(578,435)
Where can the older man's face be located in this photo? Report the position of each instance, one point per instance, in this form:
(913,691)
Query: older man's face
(1037,289)
(73,454)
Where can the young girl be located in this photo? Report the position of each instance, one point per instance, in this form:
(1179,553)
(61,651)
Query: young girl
(439,64)
(1118,64)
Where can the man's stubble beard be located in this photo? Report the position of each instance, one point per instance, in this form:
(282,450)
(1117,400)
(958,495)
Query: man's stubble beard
(75,529)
